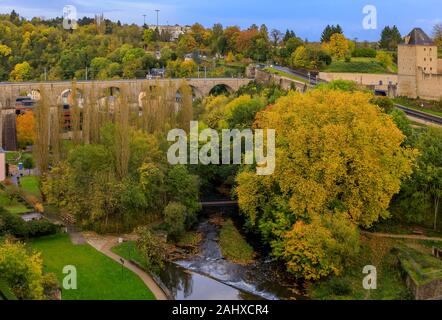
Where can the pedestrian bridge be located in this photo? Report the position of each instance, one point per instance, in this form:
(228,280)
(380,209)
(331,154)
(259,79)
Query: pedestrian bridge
(57,91)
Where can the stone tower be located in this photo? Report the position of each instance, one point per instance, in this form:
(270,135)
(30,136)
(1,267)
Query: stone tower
(417,61)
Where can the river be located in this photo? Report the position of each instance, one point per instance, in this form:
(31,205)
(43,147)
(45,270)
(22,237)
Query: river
(209,276)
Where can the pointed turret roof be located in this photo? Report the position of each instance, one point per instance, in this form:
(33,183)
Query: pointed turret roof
(417,36)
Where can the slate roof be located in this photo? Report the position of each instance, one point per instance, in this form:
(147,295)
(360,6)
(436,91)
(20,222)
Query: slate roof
(418,37)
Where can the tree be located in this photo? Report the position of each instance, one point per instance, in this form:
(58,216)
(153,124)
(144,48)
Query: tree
(300,58)
(175,219)
(22,271)
(437,34)
(326,174)
(385,59)
(329,31)
(390,38)
(339,46)
(5,51)
(21,72)
(276,37)
(424,189)
(186,44)
(183,187)
(26,129)
(152,249)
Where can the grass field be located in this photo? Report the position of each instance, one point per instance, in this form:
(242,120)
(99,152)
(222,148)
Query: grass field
(390,284)
(30,184)
(129,251)
(99,277)
(14,207)
(11,157)
(358,65)
(285,74)
(233,246)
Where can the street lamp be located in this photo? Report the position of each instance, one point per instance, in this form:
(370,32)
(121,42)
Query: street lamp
(157,17)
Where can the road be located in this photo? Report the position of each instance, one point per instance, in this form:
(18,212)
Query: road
(297,73)
(420,115)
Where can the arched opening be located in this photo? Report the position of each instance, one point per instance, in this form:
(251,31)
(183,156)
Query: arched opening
(34,95)
(221,89)
(109,99)
(67,99)
(196,94)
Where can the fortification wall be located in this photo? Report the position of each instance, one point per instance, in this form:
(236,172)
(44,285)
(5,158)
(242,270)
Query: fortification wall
(366,79)
(429,86)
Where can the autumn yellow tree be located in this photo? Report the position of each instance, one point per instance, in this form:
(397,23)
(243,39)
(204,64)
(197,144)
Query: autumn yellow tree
(21,72)
(337,155)
(339,46)
(26,129)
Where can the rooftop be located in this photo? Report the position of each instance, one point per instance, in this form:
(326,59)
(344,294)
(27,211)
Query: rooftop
(417,36)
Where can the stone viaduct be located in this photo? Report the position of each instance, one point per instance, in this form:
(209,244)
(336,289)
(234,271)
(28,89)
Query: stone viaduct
(9,92)
(58,92)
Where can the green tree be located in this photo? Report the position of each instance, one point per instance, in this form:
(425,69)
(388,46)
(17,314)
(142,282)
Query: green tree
(390,38)
(22,271)
(329,31)
(300,58)
(175,219)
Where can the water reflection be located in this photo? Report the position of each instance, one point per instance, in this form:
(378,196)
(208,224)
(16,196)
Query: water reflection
(186,285)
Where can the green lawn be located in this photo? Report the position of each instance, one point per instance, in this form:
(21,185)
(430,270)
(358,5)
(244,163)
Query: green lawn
(358,65)
(30,184)
(99,277)
(11,157)
(285,74)
(14,207)
(233,246)
(129,251)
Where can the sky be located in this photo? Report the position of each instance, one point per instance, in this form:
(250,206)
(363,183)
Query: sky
(306,17)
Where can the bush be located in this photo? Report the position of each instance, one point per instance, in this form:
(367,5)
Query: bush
(340,286)
(175,215)
(17,227)
(384,103)
(364,53)
(152,249)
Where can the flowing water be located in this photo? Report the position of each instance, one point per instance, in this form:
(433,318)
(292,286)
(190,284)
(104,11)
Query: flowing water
(209,276)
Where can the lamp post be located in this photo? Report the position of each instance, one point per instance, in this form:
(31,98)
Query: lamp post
(158,24)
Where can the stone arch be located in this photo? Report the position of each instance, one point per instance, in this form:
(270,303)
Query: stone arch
(34,94)
(109,98)
(112,91)
(66,98)
(221,88)
(196,93)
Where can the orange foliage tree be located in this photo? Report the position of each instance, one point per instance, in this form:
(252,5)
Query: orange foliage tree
(26,129)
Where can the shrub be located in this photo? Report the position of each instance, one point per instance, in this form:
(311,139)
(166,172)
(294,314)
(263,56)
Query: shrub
(152,249)
(364,53)
(384,103)
(340,286)
(16,226)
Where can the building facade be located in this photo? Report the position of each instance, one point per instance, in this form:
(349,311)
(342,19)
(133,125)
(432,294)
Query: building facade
(419,69)
(173,31)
